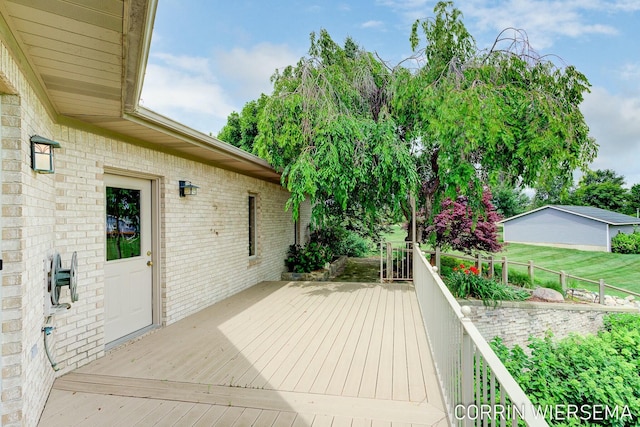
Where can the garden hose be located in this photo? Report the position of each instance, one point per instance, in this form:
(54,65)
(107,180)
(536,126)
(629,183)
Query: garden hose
(47,331)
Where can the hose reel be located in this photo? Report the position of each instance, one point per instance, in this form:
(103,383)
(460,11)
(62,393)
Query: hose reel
(64,277)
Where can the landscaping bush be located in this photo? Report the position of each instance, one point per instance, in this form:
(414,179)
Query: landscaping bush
(602,369)
(464,282)
(304,259)
(447,264)
(341,241)
(519,278)
(626,243)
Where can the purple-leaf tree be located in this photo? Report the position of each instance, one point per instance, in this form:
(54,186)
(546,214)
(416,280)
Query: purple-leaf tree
(459,228)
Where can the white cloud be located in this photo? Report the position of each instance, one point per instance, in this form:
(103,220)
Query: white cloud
(410,10)
(544,20)
(630,72)
(624,5)
(201,92)
(247,72)
(613,121)
(372,24)
(184,88)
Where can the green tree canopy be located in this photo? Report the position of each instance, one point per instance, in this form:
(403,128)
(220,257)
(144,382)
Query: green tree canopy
(601,189)
(508,200)
(345,129)
(241,129)
(633,202)
(328,128)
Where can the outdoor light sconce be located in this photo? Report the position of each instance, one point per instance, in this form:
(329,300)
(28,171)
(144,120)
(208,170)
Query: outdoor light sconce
(42,154)
(188,189)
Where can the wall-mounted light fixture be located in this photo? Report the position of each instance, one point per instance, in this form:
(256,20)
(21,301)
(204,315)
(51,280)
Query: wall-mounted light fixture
(42,154)
(188,189)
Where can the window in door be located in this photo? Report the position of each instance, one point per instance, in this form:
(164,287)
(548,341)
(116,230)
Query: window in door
(123,223)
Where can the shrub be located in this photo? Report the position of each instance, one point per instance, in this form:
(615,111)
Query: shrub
(590,370)
(464,282)
(447,264)
(458,227)
(305,259)
(626,243)
(341,241)
(519,278)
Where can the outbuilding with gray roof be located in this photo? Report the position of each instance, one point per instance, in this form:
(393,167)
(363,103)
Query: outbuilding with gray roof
(578,227)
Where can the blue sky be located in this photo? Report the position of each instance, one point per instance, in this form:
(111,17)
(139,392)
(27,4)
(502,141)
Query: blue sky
(209,58)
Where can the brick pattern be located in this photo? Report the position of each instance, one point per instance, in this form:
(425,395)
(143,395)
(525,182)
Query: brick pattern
(515,322)
(203,239)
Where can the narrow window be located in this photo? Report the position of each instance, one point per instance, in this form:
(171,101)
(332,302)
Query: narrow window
(252,225)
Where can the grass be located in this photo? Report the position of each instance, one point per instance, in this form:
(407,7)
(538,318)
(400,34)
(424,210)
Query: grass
(396,234)
(619,270)
(129,248)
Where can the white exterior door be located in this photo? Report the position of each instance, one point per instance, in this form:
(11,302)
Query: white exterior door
(128,272)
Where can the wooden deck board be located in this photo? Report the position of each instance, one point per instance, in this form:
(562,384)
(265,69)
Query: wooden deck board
(342,364)
(370,371)
(400,378)
(384,384)
(416,383)
(323,345)
(342,347)
(281,343)
(252,344)
(300,354)
(190,417)
(307,348)
(211,417)
(353,378)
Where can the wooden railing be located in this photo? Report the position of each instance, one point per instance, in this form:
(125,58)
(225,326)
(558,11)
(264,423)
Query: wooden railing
(563,277)
(396,261)
(476,387)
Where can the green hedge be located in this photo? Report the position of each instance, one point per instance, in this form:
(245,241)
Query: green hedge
(626,243)
(592,371)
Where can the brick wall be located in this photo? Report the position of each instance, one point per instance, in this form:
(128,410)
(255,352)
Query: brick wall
(514,322)
(203,239)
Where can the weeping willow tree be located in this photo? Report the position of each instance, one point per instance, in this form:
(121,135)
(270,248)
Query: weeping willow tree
(358,136)
(328,127)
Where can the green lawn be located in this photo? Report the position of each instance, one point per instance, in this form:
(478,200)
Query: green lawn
(619,270)
(397,233)
(128,248)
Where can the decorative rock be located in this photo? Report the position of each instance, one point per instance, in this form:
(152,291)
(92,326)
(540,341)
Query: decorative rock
(546,294)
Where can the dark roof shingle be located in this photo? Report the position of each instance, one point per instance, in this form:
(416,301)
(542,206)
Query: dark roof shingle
(602,215)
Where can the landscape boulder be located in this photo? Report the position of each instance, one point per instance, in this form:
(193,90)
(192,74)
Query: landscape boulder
(547,294)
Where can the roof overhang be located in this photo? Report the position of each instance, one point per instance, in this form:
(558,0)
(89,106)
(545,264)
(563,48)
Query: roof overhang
(571,212)
(86,61)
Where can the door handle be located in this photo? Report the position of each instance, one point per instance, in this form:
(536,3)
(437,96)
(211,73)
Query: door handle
(149,263)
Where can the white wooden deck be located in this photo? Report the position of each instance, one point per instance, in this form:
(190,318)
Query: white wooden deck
(277,354)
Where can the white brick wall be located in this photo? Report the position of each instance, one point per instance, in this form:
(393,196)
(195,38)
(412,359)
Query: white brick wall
(203,239)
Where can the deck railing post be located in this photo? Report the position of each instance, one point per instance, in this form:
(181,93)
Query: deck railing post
(467,373)
(601,291)
(389,261)
(438,258)
(381,264)
(505,270)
